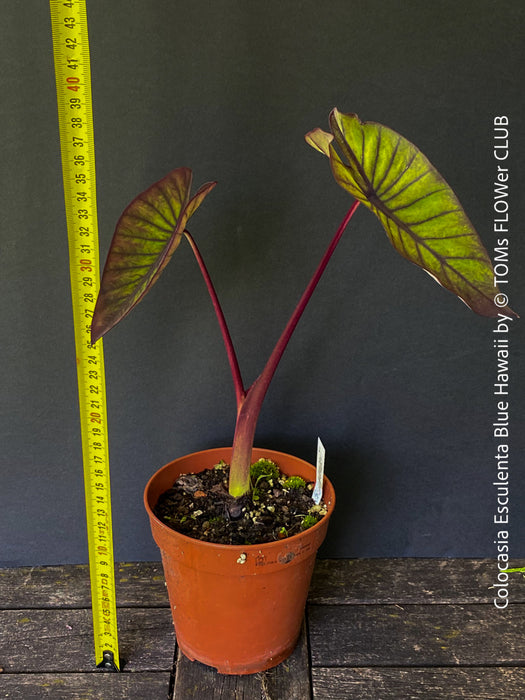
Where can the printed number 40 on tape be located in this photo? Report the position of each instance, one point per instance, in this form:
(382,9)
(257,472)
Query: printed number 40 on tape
(73,80)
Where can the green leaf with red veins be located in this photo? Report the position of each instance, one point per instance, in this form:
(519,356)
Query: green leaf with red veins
(419,211)
(147,234)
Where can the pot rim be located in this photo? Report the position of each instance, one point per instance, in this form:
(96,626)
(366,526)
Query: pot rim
(242,548)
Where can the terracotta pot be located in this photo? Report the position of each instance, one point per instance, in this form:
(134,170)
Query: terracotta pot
(237,608)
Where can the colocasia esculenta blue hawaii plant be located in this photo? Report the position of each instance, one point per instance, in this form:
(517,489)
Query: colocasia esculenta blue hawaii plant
(382,170)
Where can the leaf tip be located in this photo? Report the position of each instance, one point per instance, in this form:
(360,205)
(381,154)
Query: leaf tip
(320,140)
(96,332)
(336,117)
(506,310)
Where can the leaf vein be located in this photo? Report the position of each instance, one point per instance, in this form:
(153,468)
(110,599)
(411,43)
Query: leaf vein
(452,235)
(170,205)
(400,175)
(149,222)
(405,187)
(378,148)
(431,218)
(127,283)
(388,167)
(125,268)
(132,236)
(157,211)
(419,199)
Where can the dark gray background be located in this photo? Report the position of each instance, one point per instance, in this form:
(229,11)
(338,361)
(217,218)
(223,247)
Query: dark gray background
(393,373)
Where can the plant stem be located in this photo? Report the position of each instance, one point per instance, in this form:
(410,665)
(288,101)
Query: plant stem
(250,407)
(230,350)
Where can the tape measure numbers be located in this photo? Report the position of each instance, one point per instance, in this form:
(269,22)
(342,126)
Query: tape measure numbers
(73,80)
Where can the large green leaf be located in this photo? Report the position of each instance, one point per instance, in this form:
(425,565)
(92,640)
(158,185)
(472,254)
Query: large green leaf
(146,236)
(419,211)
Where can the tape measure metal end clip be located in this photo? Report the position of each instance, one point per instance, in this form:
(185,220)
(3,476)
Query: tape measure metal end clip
(108,662)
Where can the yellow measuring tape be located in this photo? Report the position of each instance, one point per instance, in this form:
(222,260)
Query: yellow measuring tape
(75,118)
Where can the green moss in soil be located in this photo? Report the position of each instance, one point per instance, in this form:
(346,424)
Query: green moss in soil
(199,506)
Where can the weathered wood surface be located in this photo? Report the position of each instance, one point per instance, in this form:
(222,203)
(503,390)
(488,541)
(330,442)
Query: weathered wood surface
(335,581)
(46,635)
(137,585)
(85,686)
(404,629)
(435,581)
(385,629)
(288,681)
(62,640)
(417,635)
(418,683)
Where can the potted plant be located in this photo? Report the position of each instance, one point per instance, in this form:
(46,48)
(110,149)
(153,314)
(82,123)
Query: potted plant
(239,606)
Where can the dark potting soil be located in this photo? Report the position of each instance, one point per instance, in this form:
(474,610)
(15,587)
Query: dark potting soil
(199,506)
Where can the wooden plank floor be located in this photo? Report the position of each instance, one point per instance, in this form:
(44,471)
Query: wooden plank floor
(374,629)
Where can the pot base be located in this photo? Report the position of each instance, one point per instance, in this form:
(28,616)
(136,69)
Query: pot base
(235,669)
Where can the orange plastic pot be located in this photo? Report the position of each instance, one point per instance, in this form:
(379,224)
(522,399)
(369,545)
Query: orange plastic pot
(237,608)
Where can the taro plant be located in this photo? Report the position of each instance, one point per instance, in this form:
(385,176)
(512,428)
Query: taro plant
(382,170)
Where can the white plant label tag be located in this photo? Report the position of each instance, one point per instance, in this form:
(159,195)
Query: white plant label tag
(319,475)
